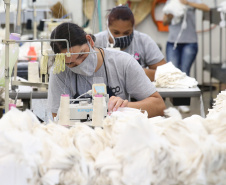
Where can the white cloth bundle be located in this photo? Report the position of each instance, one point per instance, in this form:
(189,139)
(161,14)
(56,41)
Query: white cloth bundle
(130,149)
(168,76)
(33,71)
(176,8)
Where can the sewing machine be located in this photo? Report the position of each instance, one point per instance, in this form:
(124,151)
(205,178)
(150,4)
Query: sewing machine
(83,110)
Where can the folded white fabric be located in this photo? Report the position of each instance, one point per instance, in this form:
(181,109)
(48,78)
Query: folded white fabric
(168,76)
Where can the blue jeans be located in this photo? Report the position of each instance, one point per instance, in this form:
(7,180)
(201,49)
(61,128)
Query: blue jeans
(183,56)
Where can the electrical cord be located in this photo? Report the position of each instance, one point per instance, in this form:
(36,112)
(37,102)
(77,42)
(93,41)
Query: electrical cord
(89,92)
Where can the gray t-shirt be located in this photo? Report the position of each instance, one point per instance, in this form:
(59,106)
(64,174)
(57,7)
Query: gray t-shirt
(142,47)
(189,33)
(125,77)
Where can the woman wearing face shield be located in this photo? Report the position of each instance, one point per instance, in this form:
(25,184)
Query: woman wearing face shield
(122,75)
(120,33)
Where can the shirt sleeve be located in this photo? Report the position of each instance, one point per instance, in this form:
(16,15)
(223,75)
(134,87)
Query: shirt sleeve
(57,86)
(152,53)
(138,85)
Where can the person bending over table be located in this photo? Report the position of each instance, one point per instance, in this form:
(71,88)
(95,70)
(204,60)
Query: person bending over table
(123,76)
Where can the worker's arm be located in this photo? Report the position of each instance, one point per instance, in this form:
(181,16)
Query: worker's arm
(154,104)
(200,6)
(152,68)
(167,18)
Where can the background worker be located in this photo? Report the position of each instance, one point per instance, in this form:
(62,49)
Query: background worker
(120,33)
(186,49)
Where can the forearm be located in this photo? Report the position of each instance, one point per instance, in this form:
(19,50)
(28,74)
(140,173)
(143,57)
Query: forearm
(150,73)
(201,6)
(153,105)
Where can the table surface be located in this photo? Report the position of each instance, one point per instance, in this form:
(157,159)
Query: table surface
(179,92)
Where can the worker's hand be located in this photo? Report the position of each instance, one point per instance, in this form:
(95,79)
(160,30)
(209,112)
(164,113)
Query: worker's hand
(115,102)
(170,16)
(185,2)
(167,19)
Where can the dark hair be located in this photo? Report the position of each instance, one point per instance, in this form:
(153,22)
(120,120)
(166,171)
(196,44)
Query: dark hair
(120,13)
(70,31)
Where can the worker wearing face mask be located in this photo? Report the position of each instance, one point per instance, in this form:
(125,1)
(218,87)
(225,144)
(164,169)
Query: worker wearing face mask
(120,33)
(117,68)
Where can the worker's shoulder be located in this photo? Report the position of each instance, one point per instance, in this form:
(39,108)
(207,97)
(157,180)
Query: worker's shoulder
(67,73)
(117,56)
(118,53)
(101,34)
(141,36)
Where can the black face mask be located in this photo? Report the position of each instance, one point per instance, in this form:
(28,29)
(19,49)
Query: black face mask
(124,41)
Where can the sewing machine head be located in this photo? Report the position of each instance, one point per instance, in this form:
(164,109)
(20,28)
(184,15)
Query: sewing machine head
(83,109)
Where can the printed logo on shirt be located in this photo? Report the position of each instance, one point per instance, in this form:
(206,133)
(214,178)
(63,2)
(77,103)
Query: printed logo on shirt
(115,90)
(137,57)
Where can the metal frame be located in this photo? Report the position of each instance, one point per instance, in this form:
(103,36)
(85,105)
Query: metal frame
(7,42)
(215,70)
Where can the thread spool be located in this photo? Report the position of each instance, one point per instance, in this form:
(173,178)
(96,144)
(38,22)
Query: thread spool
(98,110)
(64,110)
(32,53)
(33,71)
(11,105)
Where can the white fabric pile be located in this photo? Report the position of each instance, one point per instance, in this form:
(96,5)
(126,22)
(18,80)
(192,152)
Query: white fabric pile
(162,151)
(32,153)
(168,76)
(219,104)
(130,149)
(176,8)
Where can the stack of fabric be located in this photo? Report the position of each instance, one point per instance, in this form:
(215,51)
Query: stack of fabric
(168,76)
(130,149)
(219,104)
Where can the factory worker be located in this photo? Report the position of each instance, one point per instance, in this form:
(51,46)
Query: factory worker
(120,33)
(186,49)
(122,75)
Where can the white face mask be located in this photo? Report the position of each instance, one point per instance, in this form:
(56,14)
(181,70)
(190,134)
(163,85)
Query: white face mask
(88,66)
